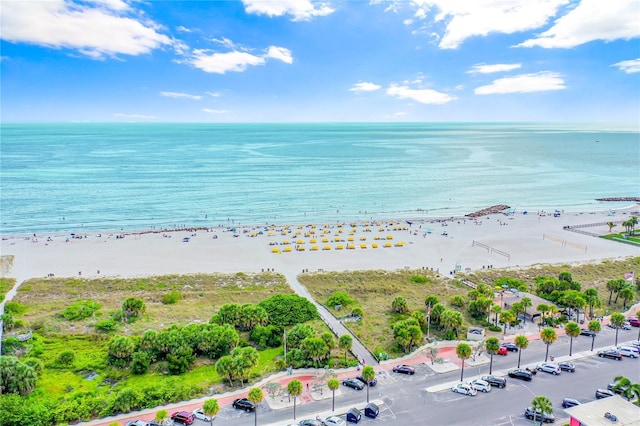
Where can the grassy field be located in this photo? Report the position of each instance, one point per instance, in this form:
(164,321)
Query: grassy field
(46,298)
(374,291)
(5,285)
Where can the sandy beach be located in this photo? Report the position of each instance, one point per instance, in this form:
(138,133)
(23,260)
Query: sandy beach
(501,241)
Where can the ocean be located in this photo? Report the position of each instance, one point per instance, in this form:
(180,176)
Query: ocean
(112,176)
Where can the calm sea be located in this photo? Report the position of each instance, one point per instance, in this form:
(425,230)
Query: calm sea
(57,177)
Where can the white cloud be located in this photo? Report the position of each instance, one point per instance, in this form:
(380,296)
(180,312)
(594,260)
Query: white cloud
(300,10)
(142,116)
(224,42)
(96,29)
(488,69)
(525,83)
(220,63)
(424,96)
(469,18)
(591,20)
(215,111)
(213,94)
(631,66)
(280,53)
(182,29)
(365,87)
(180,95)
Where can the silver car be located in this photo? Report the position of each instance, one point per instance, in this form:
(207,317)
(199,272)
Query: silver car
(549,367)
(480,385)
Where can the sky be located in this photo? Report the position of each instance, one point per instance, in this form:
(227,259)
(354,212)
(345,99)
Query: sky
(320,61)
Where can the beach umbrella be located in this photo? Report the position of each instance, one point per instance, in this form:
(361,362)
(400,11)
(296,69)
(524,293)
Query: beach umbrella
(300,242)
(351,246)
(275,250)
(363,238)
(326,248)
(374,245)
(389,237)
(337,239)
(314,248)
(399,244)
(363,246)
(287,249)
(387,244)
(301,248)
(339,247)
(312,241)
(325,240)
(350,239)
(286,242)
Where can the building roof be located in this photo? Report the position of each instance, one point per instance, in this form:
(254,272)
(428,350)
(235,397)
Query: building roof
(592,413)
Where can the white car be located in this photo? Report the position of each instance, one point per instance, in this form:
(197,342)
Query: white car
(465,389)
(480,385)
(549,367)
(629,351)
(334,421)
(200,415)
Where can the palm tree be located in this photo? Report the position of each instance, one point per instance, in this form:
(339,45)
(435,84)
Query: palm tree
(613,286)
(211,408)
(492,344)
(592,299)
(521,342)
(496,309)
(507,317)
(294,388)
(161,416)
(333,384)
(548,336)
(611,225)
(399,305)
(595,327)
(573,330)
(452,320)
(542,405)
(543,308)
(345,342)
(618,320)
(463,351)
(526,303)
(633,222)
(255,395)
(368,374)
(627,293)
(629,390)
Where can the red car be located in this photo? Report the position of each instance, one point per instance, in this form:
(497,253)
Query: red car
(503,351)
(634,322)
(183,417)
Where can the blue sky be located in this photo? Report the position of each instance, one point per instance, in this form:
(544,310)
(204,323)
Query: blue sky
(306,61)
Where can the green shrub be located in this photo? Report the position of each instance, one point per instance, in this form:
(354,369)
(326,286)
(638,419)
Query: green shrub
(285,310)
(107,325)
(15,308)
(495,328)
(419,279)
(171,298)
(66,358)
(339,298)
(80,310)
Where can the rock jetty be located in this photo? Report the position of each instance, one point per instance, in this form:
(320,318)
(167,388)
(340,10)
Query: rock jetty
(635,199)
(499,208)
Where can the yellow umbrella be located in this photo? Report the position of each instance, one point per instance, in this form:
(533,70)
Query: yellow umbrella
(326,248)
(275,250)
(287,249)
(300,248)
(350,239)
(387,244)
(312,241)
(399,244)
(300,242)
(351,246)
(374,245)
(339,247)
(363,246)
(325,240)
(337,239)
(363,238)
(389,237)
(314,248)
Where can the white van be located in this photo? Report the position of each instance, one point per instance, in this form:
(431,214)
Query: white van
(629,352)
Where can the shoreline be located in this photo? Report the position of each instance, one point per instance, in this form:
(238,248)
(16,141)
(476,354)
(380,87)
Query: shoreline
(445,245)
(633,208)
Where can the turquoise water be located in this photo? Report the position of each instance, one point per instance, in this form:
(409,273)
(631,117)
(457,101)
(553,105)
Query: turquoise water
(58,177)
